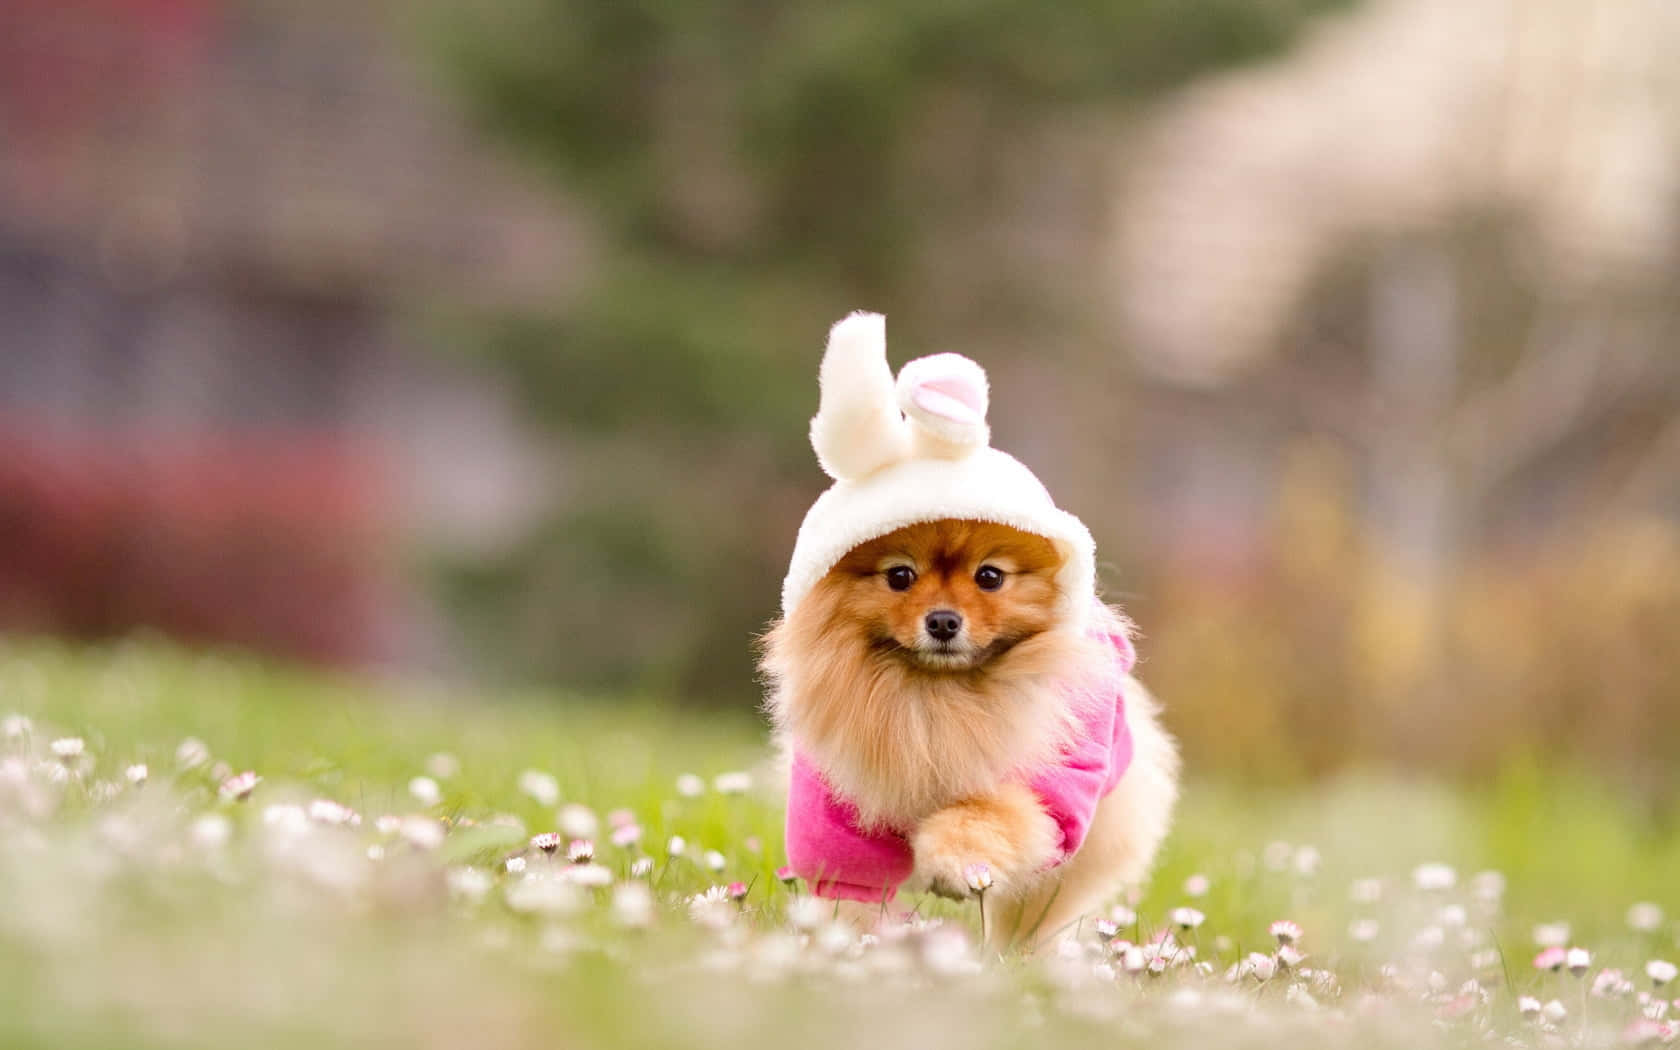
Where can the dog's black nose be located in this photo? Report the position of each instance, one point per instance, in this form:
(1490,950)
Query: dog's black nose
(943,624)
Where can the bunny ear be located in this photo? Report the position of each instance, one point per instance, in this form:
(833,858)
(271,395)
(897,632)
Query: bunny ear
(946,398)
(858,429)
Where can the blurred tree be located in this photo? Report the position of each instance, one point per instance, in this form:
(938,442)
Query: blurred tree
(756,170)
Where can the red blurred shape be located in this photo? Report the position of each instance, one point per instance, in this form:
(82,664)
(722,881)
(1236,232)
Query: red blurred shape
(269,542)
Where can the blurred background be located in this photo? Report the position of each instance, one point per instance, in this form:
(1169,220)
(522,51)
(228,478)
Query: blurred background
(478,341)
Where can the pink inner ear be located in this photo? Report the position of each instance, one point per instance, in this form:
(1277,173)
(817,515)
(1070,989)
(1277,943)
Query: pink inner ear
(955,397)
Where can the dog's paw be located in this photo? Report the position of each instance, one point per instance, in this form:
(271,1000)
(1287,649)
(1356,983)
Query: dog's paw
(997,842)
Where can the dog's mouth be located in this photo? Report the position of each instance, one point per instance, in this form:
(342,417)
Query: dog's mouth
(953,656)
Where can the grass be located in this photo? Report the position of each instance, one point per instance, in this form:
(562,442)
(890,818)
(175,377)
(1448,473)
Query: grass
(168,915)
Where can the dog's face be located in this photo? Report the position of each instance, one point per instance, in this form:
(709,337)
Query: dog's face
(947,596)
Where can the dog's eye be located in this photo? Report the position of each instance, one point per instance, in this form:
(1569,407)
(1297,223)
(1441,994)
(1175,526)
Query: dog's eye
(989,577)
(900,577)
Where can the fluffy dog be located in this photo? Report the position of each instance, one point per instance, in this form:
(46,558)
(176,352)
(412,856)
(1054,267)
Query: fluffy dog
(957,706)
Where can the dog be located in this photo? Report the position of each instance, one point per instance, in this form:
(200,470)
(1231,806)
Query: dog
(956,706)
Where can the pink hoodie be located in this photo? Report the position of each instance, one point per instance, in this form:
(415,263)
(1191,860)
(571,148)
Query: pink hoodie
(837,859)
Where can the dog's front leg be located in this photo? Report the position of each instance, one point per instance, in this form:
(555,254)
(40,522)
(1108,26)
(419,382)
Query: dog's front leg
(1007,832)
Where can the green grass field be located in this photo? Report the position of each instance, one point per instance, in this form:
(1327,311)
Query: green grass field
(166,913)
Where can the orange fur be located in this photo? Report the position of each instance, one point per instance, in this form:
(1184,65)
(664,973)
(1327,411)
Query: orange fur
(903,739)
(1008,831)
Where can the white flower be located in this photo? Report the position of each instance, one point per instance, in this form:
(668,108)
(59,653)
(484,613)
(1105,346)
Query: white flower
(1187,918)
(1197,886)
(191,753)
(1528,1006)
(1364,930)
(626,835)
(1300,997)
(1432,877)
(66,747)
(547,841)
(1122,916)
(712,908)
(1578,960)
(238,788)
(443,765)
(578,821)
(738,782)
(1554,1011)
(1289,957)
(580,851)
(469,884)
(590,874)
(425,791)
(1453,916)
(715,860)
(1660,971)
(1307,861)
(1610,984)
(544,895)
(422,832)
(1645,917)
(1258,966)
(641,867)
(515,865)
(1285,931)
(211,830)
(1646,1031)
(326,811)
(1366,891)
(1551,934)
(540,786)
(676,846)
(632,904)
(1487,886)
(978,877)
(690,786)
(137,773)
(286,818)
(14,726)
(807,912)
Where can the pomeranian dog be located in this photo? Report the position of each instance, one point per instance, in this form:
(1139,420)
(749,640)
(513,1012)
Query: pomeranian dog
(957,707)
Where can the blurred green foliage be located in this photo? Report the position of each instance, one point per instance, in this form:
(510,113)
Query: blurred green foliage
(754,172)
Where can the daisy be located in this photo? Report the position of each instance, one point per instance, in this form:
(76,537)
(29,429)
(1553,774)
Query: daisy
(238,788)
(738,782)
(1578,960)
(425,791)
(540,786)
(1644,917)
(1433,877)
(1285,931)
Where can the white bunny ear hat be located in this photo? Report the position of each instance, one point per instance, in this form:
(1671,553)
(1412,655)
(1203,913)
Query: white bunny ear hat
(914,450)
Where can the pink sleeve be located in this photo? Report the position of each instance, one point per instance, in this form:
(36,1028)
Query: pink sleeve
(827,850)
(1071,787)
